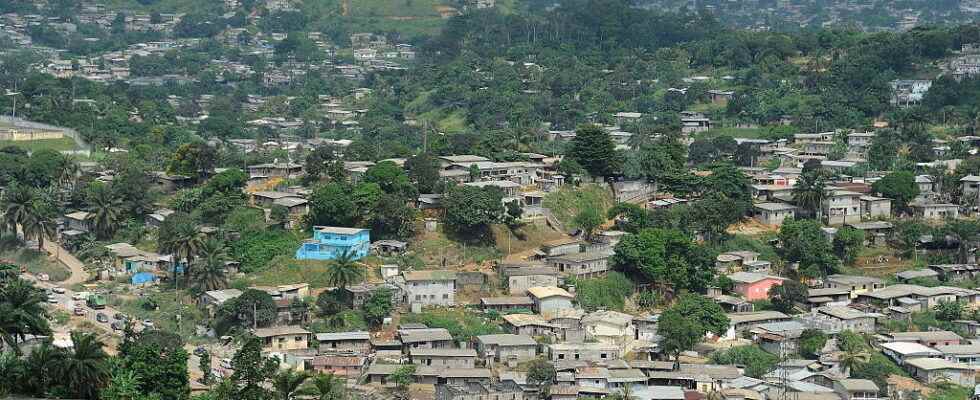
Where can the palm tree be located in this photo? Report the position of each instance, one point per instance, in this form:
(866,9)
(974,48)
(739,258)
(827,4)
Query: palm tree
(810,191)
(18,207)
(344,271)
(104,208)
(209,267)
(327,387)
(184,242)
(966,233)
(39,225)
(85,367)
(67,173)
(21,312)
(286,383)
(852,357)
(38,372)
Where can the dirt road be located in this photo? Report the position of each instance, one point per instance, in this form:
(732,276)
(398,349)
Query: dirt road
(74,265)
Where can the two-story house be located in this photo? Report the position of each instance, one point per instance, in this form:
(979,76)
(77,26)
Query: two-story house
(443,357)
(753,286)
(330,242)
(506,347)
(582,265)
(430,287)
(548,300)
(841,207)
(283,338)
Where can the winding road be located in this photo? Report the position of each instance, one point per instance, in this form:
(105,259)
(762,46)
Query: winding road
(74,265)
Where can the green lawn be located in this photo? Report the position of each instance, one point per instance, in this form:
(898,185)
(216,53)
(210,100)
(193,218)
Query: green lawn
(164,317)
(566,202)
(747,133)
(394,8)
(949,392)
(63,144)
(286,269)
(36,262)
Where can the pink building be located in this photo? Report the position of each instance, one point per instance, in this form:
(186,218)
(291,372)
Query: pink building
(753,286)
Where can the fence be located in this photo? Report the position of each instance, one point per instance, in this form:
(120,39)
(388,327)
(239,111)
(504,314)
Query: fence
(19,123)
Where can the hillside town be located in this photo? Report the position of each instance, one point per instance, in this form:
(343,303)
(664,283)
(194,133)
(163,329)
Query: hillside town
(488,200)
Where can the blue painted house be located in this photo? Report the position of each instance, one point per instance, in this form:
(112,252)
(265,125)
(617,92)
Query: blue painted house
(330,242)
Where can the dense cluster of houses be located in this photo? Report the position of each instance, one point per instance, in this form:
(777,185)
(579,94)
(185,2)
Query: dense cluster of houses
(601,352)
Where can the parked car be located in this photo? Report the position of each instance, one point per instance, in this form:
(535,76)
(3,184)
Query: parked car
(200,351)
(226,363)
(118,326)
(58,290)
(78,296)
(102,318)
(147,323)
(80,311)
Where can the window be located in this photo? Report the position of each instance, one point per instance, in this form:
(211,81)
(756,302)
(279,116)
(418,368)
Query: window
(561,356)
(602,356)
(298,339)
(445,296)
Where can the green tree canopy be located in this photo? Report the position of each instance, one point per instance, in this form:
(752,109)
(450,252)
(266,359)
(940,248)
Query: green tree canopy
(594,150)
(471,210)
(899,186)
(685,324)
(804,242)
(666,257)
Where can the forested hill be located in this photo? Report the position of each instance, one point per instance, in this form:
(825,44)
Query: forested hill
(577,26)
(489,72)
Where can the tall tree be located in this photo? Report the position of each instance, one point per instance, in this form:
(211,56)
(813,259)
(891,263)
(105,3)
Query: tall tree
(804,242)
(209,269)
(179,236)
(158,358)
(252,371)
(899,186)
(684,324)
(423,170)
(392,179)
(104,208)
(344,271)
(85,368)
(22,312)
(471,210)
(328,387)
(594,150)
(810,191)
(287,383)
(666,257)
(589,219)
(18,206)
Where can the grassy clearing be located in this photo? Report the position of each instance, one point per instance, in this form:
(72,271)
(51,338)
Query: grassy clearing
(63,144)
(412,28)
(285,270)
(461,324)
(395,8)
(37,263)
(528,237)
(756,243)
(950,392)
(568,201)
(435,249)
(164,317)
(747,133)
